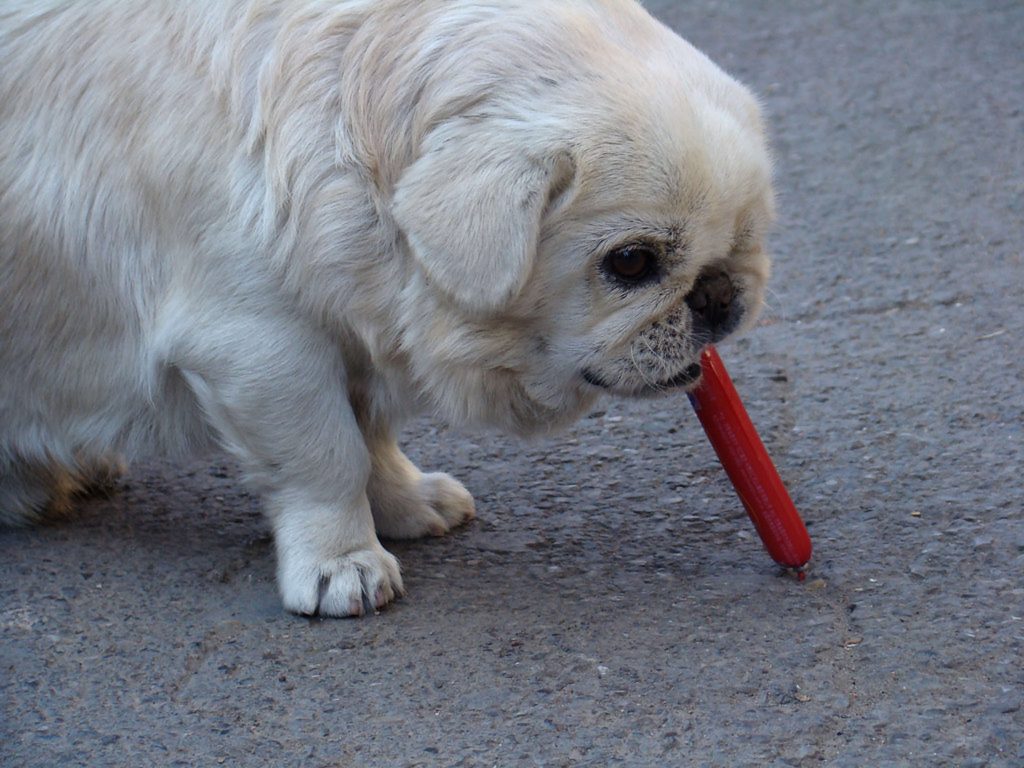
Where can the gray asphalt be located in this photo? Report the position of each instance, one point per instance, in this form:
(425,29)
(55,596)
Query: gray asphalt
(612,605)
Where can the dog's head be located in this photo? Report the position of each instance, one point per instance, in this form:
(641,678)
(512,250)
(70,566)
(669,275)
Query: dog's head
(586,213)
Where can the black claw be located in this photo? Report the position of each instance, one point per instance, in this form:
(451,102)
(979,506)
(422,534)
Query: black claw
(369,608)
(321,592)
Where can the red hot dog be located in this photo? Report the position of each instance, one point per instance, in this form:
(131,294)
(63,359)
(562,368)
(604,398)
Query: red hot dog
(748,465)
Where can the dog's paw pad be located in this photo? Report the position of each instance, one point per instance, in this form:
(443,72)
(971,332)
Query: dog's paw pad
(352,584)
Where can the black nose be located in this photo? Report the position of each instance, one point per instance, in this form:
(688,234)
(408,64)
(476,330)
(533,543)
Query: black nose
(712,301)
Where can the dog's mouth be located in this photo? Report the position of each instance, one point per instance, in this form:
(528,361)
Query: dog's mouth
(686,378)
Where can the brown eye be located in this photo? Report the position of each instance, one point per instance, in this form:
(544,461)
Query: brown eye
(632,264)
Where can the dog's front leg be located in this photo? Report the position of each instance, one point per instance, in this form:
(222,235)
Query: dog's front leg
(275,393)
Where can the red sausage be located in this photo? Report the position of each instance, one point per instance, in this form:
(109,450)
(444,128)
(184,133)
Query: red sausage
(748,465)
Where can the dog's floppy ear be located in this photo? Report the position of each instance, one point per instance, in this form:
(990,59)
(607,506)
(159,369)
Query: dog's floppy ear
(471,207)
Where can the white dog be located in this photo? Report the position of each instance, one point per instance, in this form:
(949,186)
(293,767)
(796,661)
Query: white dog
(283,226)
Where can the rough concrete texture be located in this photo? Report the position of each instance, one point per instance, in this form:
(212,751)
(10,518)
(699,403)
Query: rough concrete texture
(612,605)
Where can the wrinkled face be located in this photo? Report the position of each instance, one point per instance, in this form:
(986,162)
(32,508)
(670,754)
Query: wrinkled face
(656,249)
(599,247)
(644,288)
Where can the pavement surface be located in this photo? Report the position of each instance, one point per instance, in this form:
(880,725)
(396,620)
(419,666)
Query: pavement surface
(612,606)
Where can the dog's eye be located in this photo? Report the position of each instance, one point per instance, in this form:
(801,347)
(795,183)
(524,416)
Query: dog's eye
(632,264)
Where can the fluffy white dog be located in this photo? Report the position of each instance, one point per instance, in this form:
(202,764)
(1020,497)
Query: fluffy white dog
(282,227)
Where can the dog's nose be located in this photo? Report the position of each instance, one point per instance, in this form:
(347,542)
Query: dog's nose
(712,302)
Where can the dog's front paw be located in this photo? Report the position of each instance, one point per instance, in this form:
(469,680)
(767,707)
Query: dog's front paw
(448,497)
(430,505)
(351,584)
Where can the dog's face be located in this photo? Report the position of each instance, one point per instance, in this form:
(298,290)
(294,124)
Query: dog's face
(590,230)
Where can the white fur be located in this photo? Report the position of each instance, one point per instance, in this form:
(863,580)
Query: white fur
(283,226)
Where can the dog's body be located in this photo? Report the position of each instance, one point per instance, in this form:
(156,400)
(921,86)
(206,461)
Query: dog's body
(284,226)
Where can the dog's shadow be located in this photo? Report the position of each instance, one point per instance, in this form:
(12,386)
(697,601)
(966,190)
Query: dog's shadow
(195,524)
